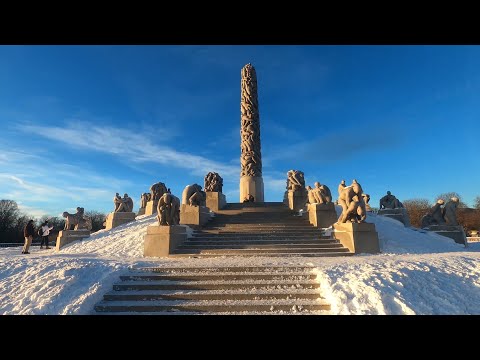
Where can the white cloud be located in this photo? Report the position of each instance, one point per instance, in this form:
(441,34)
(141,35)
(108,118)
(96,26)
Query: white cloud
(129,145)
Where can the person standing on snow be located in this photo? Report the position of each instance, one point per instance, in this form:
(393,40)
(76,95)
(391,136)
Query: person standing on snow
(45,232)
(28,233)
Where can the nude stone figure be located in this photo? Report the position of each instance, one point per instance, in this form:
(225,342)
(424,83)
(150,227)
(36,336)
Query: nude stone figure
(353,206)
(168,210)
(449,211)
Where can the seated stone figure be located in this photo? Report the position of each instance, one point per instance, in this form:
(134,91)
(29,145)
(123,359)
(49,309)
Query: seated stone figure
(353,206)
(157,190)
(168,210)
(449,211)
(434,215)
(295,180)
(213,182)
(322,193)
(144,198)
(193,195)
(124,204)
(389,201)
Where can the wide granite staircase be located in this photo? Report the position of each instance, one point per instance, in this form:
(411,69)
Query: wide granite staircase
(268,229)
(215,290)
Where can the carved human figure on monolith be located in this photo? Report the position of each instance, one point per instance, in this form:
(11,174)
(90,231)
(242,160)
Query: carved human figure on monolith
(449,211)
(213,182)
(389,201)
(168,210)
(193,195)
(353,206)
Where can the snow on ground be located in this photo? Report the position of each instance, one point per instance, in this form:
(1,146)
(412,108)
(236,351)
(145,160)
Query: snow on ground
(416,273)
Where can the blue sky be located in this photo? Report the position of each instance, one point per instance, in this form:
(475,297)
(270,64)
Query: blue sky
(80,123)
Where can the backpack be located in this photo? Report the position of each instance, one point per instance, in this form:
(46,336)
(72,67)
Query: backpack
(40,231)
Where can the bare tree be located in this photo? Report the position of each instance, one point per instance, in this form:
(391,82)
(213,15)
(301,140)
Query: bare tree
(476,202)
(97,218)
(416,208)
(9,213)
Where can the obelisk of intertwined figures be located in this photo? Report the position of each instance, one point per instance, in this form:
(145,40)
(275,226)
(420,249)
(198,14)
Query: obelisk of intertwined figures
(251,181)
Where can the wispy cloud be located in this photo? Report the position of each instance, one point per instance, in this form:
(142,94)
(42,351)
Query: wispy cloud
(25,179)
(127,145)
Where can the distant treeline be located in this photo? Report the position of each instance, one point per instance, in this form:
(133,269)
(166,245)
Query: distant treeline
(12,221)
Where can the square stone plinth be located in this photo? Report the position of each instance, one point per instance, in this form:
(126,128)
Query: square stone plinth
(151,207)
(453,232)
(251,185)
(215,200)
(115,219)
(399,214)
(322,215)
(297,200)
(194,215)
(357,237)
(141,211)
(160,241)
(67,236)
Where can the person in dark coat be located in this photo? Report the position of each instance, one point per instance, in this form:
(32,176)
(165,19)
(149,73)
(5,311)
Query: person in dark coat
(28,232)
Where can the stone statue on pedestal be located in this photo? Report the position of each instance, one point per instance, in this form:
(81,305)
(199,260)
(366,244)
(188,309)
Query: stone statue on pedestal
(168,210)
(449,211)
(389,201)
(193,195)
(353,206)
(124,204)
(157,190)
(434,215)
(213,182)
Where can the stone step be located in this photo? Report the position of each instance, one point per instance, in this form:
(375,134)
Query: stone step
(291,249)
(280,239)
(266,234)
(283,254)
(222,242)
(265,294)
(203,269)
(214,285)
(248,246)
(225,276)
(179,312)
(212,305)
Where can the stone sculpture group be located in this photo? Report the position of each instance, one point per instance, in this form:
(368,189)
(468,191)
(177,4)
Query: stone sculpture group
(78,220)
(439,215)
(213,182)
(124,204)
(321,194)
(352,203)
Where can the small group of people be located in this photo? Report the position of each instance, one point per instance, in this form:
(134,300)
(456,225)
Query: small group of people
(29,233)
